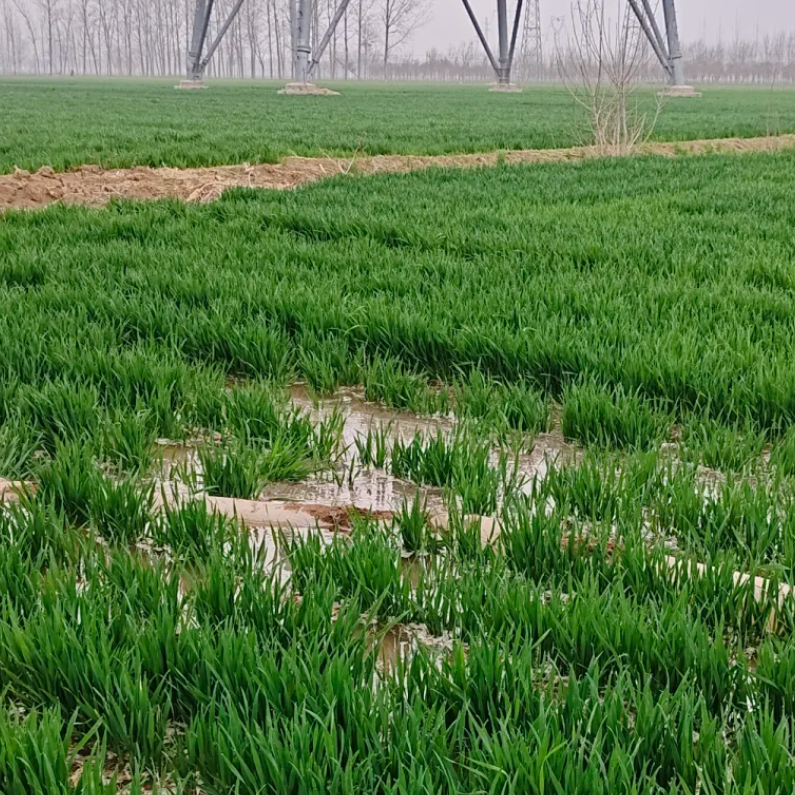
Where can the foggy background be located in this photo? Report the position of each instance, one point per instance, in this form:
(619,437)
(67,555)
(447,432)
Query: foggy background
(749,41)
(711,20)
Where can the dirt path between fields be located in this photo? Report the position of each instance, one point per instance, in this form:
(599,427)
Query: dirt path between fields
(94,186)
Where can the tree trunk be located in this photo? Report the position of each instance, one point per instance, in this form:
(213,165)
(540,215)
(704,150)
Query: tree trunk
(278,47)
(359,44)
(387,31)
(270,42)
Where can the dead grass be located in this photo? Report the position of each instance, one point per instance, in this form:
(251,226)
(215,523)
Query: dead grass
(93,186)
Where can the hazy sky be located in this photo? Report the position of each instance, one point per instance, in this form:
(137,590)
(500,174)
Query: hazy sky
(697,18)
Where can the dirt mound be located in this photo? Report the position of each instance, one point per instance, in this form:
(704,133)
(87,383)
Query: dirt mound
(94,186)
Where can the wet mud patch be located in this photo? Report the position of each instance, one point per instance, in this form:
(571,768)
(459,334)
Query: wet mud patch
(11,490)
(340,517)
(372,492)
(400,642)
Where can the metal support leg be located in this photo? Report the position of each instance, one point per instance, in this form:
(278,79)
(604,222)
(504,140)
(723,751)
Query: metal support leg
(302,47)
(302,63)
(668,50)
(489,54)
(221,33)
(674,48)
(654,26)
(503,76)
(201,21)
(649,25)
(506,47)
(321,48)
(197,62)
(517,18)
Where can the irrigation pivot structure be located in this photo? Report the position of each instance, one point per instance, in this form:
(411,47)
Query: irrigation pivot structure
(304,59)
(667,48)
(197,57)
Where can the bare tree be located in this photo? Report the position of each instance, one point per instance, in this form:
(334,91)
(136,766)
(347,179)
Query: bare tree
(27,17)
(279,41)
(345,43)
(600,67)
(399,19)
(10,52)
(253,15)
(49,8)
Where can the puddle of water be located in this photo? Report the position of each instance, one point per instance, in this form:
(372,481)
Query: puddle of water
(368,490)
(361,416)
(377,490)
(549,450)
(415,567)
(396,644)
(169,493)
(171,457)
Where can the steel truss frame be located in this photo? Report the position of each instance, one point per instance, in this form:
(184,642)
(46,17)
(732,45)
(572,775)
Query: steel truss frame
(666,48)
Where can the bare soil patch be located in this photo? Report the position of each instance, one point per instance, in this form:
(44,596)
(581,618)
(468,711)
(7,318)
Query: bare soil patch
(339,517)
(94,186)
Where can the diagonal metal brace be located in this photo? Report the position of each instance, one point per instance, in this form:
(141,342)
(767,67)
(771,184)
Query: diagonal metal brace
(489,54)
(321,48)
(201,21)
(662,55)
(515,33)
(221,33)
(655,27)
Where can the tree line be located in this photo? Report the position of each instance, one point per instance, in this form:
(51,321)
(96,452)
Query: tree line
(149,38)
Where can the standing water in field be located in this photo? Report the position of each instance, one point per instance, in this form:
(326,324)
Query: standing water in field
(361,416)
(365,476)
(372,487)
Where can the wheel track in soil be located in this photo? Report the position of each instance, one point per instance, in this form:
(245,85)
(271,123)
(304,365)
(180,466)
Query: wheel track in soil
(94,186)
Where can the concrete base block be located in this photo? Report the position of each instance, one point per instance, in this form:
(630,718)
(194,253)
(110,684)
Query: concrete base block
(307,89)
(190,85)
(679,91)
(505,88)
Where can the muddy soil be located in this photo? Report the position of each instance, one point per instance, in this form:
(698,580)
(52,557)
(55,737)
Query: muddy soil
(10,490)
(401,642)
(93,186)
(329,502)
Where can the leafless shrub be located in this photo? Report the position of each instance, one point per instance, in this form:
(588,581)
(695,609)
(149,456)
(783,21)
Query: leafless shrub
(600,63)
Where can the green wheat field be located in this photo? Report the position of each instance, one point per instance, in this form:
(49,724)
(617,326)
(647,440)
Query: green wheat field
(637,314)
(117,123)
